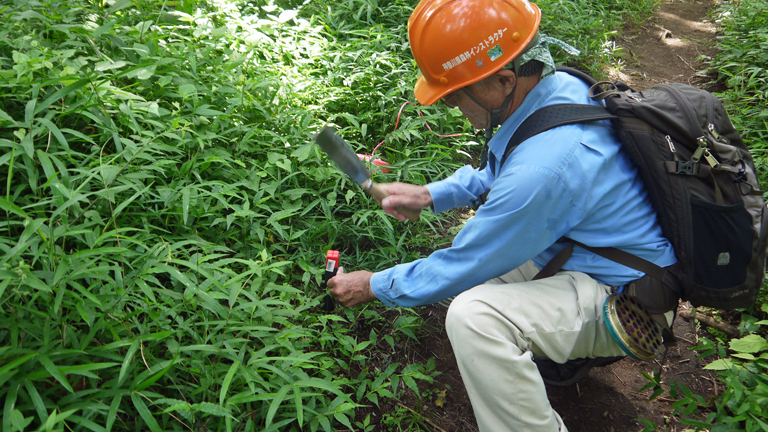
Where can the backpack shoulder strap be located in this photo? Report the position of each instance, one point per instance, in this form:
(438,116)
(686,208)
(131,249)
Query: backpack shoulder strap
(578,74)
(547,118)
(552,116)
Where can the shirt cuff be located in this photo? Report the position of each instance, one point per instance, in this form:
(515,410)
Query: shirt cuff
(442,196)
(381,283)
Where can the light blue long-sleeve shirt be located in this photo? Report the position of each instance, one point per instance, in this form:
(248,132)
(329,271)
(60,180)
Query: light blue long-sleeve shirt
(571,181)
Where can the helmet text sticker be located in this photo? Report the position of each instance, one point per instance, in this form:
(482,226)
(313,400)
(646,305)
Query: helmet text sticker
(483,45)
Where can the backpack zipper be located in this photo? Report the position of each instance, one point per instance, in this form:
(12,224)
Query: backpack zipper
(671,146)
(682,101)
(716,136)
(703,140)
(710,109)
(710,120)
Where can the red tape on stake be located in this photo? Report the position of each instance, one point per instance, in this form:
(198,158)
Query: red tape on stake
(331,262)
(331,268)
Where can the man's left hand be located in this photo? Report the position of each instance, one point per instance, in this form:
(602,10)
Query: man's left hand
(351,289)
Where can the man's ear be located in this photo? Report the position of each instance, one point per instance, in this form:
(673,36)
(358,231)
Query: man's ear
(507,78)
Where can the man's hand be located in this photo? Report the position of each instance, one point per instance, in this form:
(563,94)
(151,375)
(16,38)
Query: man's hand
(404,195)
(351,289)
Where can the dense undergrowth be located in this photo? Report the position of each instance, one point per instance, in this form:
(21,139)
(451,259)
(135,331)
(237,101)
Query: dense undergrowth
(742,65)
(164,214)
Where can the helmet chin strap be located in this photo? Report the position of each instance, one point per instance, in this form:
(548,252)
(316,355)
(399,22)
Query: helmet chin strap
(495,119)
(495,113)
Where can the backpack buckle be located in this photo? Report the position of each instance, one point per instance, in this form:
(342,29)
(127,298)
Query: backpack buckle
(686,168)
(741,174)
(479,201)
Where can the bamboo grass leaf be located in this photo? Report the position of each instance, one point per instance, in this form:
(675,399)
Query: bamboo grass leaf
(18,421)
(10,402)
(146,290)
(28,145)
(54,371)
(154,377)
(211,408)
(120,5)
(211,349)
(15,363)
(26,239)
(207,112)
(174,273)
(185,204)
(297,396)
(279,425)
(127,202)
(29,113)
(84,422)
(107,65)
(145,414)
(54,419)
(126,363)
(32,281)
(55,131)
(103,251)
(73,200)
(227,382)
(77,85)
(84,314)
(5,377)
(85,369)
(4,116)
(45,162)
(113,408)
(11,207)
(278,399)
(248,396)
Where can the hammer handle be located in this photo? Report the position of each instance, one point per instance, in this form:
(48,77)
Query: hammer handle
(380,193)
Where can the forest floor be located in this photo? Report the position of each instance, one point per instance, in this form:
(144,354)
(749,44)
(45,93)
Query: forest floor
(671,46)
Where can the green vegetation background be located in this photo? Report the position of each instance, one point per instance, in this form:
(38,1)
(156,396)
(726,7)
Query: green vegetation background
(164,215)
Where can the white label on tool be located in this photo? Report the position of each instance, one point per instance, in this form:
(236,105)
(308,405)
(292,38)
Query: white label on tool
(330,265)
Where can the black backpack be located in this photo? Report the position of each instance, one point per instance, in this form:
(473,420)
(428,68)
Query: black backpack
(700,179)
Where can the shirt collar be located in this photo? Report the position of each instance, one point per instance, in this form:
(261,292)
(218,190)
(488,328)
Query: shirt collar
(534,100)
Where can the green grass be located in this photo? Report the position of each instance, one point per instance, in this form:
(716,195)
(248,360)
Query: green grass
(742,65)
(164,213)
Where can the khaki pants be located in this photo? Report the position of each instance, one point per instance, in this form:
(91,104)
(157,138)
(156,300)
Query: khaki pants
(496,328)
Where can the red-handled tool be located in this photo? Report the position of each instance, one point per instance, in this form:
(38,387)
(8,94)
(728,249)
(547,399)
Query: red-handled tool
(331,268)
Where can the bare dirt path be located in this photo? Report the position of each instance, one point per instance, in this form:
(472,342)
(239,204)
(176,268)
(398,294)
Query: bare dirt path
(672,46)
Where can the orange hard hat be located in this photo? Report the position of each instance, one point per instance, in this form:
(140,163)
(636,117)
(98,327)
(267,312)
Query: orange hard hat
(459,42)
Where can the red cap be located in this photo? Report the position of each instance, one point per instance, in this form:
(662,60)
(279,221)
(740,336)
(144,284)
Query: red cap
(331,260)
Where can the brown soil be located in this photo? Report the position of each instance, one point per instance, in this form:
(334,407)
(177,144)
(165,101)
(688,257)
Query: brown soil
(672,46)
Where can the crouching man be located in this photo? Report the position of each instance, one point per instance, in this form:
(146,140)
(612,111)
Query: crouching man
(487,58)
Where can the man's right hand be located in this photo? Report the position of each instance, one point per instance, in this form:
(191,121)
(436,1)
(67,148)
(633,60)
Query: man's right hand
(351,289)
(406,195)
